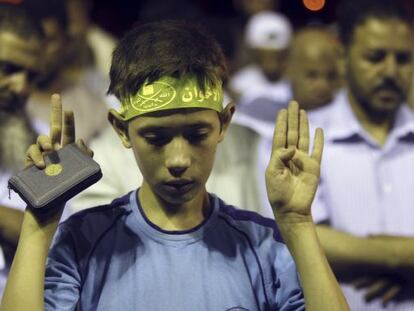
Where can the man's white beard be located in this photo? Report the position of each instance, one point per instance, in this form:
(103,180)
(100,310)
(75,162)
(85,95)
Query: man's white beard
(16,135)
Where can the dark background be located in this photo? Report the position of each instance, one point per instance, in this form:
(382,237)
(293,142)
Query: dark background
(117,16)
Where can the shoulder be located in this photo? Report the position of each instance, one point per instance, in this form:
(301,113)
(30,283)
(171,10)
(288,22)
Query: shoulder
(247,71)
(251,225)
(322,116)
(336,113)
(92,222)
(261,236)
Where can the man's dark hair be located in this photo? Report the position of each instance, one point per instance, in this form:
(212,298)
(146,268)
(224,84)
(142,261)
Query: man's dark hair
(352,13)
(15,19)
(41,10)
(166,48)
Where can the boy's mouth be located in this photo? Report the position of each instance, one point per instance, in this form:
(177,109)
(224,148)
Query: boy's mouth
(179,185)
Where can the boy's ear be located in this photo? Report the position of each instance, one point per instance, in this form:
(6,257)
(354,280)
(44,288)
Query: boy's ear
(120,127)
(226,116)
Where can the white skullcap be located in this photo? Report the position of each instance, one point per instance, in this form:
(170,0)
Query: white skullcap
(268,30)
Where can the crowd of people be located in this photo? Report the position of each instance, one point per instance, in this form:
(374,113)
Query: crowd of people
(276,176)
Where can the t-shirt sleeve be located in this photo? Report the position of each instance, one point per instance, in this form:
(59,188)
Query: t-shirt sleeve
(62,278)
(285,282)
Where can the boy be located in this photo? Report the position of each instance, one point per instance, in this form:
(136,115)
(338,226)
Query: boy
(170,245)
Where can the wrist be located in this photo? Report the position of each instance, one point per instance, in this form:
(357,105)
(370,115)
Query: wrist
(36,222)
(287,217)
(297,233)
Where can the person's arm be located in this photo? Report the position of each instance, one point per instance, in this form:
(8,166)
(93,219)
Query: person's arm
(379,265)
(25,284)
(292,178)
(10,224)
(372,255)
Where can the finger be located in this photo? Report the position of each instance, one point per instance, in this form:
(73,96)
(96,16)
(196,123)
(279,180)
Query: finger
(362,282)
(279,159)
(303,143)
(44,142)
(56,121)
(317,149)
(293,124)
(68,135)
(390,294)
(286,154)
(34,156)
(377,289)
(279,135)
(299,165)
(82,146)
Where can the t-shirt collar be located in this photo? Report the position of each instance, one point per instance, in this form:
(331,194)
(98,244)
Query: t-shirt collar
(174,237)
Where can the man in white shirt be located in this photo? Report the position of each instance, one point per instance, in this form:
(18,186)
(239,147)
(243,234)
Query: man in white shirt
(365,200)
(313,81)
(267,36)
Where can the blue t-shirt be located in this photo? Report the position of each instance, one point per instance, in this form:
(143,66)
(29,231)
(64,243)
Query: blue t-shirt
(113,258)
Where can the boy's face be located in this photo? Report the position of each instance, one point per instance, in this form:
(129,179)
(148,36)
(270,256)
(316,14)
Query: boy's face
(175,150)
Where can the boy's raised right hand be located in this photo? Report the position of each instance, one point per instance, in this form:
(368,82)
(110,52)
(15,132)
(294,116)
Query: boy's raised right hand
(62,132)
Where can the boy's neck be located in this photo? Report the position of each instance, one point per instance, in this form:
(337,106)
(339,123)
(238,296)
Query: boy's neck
(171,217)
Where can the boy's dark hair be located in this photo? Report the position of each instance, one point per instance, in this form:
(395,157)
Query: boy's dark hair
(352,13)
(15,19)
(166,48)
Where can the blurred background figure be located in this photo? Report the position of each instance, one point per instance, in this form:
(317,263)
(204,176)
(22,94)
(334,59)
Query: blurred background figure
(312,78)
(21,44)
(267,35)
(411,95)
(90,39)
(243,10)
(69,69)
(313,67)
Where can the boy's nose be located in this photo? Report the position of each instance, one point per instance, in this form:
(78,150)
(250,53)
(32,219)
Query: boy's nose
(178,158)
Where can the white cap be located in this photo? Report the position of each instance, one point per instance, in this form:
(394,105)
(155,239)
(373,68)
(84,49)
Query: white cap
(268,30)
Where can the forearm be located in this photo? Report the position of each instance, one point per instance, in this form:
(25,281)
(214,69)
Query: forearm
(25,285)
(10,224)
(321,290)
(368,255)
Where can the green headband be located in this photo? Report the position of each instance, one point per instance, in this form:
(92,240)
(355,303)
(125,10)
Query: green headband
(170,93)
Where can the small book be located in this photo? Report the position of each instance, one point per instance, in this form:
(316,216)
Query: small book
(68,172)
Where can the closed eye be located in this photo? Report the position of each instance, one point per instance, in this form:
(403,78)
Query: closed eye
(375,56)
(156,139)
(196,137)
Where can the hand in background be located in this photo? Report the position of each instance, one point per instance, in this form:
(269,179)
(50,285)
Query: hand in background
(384,287)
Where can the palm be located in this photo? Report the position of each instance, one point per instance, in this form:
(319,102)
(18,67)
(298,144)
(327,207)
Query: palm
(292,175)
